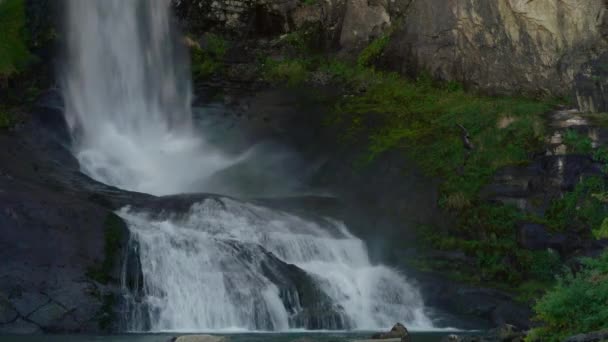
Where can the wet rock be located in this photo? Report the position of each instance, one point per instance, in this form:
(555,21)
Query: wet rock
(48,315)
(199,338)
(590,337)
(19,327)
(591,85)
(398,331)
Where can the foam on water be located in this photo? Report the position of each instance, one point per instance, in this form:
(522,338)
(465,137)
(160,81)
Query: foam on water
(211,268)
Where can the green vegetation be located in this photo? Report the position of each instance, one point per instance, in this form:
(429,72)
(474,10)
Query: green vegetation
(208,60)
(577,304)
(293,72)
(580,209)
(577,143)
(114,227)
(5,120)
(427,120)
(373,51)
(14,54)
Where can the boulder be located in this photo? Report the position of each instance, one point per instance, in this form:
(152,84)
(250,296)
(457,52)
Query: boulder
(398,331)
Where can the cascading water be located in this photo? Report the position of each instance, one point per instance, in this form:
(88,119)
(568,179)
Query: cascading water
(230,265)
(223,264)
(128,95)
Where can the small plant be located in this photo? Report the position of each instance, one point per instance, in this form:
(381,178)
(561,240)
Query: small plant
(577,143)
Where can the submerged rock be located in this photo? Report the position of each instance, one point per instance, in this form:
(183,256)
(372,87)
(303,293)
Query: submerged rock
(398,331)
(200,338)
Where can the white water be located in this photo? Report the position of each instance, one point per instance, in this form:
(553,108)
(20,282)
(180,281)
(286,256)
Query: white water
(224,264)
(208,270)
(128,98)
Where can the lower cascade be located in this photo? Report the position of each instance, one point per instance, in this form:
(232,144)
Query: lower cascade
(229,265)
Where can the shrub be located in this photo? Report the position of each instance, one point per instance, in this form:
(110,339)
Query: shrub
(208,60)
(577,304)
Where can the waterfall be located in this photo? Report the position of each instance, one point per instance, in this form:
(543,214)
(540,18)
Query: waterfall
(225,264)
(127,90)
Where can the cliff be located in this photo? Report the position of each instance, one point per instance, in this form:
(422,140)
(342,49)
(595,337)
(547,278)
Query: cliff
(535,48)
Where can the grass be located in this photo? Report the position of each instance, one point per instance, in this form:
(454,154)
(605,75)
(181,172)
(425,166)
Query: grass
(14,54)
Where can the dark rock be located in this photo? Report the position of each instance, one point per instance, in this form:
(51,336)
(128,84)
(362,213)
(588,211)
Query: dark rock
(398,331)
(591,85)
(533,236)
(590,337)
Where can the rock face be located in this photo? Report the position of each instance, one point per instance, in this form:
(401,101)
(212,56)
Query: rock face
(51,237)
(507,46)
(541,47)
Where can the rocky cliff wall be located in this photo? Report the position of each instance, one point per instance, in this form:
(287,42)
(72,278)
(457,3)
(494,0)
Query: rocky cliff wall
(530,47)
(533,47)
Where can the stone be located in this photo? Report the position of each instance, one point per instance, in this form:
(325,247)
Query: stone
(48,314)
(505,46)
(399,331)
(362,23)
(200,338)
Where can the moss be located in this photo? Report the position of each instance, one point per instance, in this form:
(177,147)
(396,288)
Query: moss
(581,209)
(14,54)
(373,51)
(114,228)
(292,72)
(5,120)
(106,317)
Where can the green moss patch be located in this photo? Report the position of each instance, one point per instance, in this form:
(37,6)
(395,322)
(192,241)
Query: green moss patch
(114,228)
